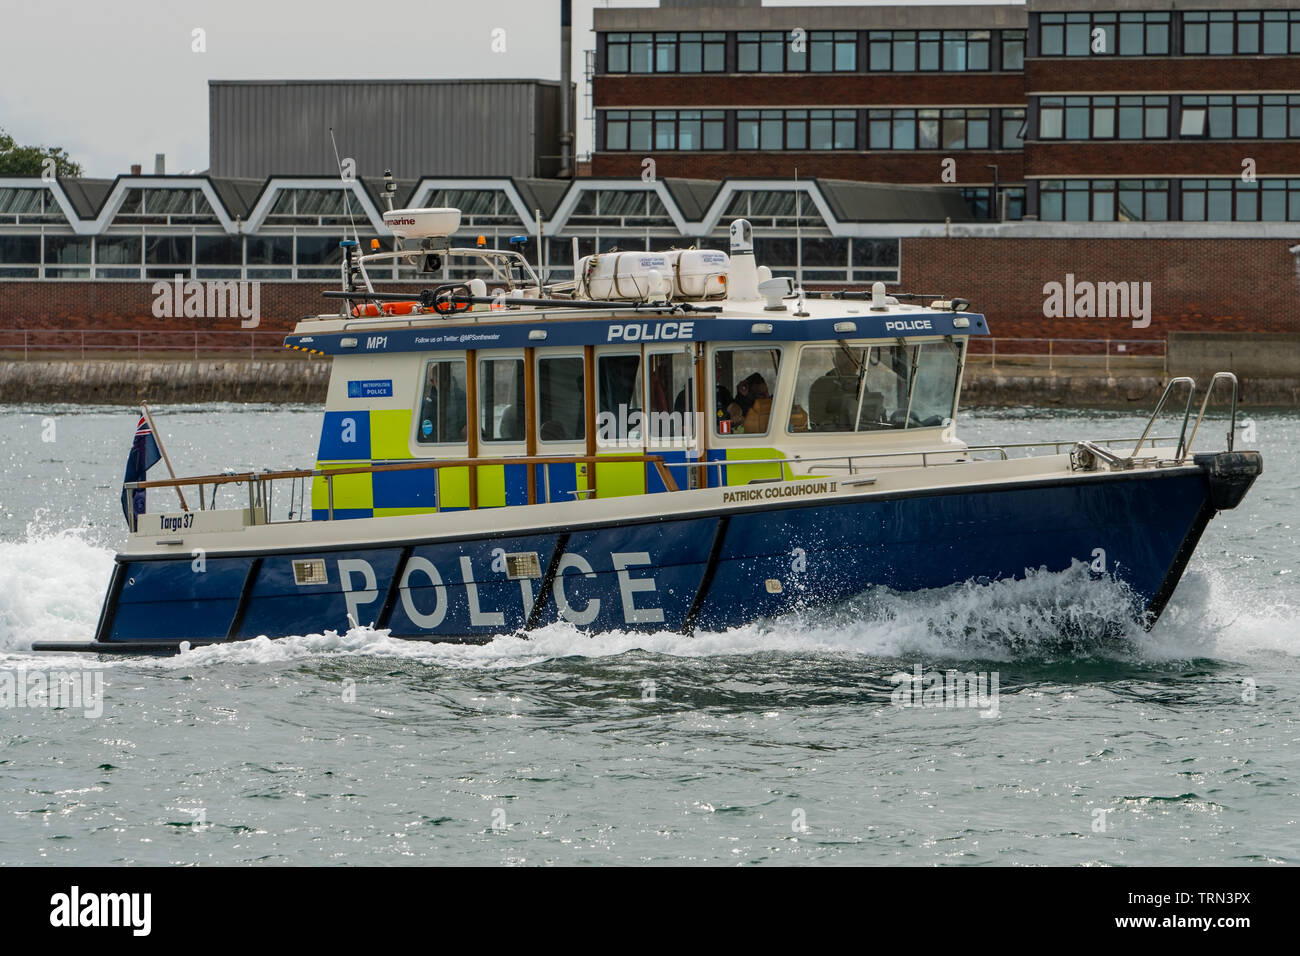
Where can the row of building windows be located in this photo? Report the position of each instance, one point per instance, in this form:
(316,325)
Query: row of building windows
(643,130)
(666,52)
(166,207)
(945,129)
(1106,33)
(822,258)
(1241,32)
(120,256)
(1159,200)
(177,207)
(981,202)
(813,129)
(779,52)
(947,51)
(139,206)
(1118,34)
(816,51)
(1204,33)
(796,129)
(1270,116)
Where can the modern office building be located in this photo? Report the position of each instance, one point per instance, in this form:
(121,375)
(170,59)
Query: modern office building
(1117,110)
(1130,142)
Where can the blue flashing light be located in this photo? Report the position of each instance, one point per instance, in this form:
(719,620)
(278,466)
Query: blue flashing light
(346,243)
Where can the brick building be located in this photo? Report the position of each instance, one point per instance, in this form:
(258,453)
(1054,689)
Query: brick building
(1133,140)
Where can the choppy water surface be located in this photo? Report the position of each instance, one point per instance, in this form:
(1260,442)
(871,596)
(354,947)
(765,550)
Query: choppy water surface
(773,743)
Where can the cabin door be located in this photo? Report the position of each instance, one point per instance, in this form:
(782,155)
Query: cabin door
(562,403)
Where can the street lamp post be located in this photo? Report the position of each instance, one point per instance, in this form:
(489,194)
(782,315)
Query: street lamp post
(995,211)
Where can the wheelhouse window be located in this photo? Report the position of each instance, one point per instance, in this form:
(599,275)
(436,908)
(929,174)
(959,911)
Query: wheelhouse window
(827,390)
(670,396)
(887,379)
(934,385)
(501,399)
(744,381)
(620,419)
(840,388)
(442,416)
(561,399)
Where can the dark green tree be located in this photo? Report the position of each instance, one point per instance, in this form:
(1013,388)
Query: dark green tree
(18,160)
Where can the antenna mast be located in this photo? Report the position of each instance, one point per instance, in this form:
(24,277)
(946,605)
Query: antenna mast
(798,242)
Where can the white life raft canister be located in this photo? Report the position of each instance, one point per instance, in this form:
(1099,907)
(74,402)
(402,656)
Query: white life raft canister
(694,274)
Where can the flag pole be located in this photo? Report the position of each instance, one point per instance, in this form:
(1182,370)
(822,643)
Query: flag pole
(144,407)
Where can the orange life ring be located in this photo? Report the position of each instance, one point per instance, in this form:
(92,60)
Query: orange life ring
(370,310)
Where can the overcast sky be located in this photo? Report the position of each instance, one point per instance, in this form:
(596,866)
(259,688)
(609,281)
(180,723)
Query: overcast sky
(114,83)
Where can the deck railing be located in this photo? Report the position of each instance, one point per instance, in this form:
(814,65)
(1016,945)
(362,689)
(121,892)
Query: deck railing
(40,344)
(1075,353)
(261,484)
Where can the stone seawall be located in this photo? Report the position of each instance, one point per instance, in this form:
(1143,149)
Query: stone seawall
(297,380)
(164,381)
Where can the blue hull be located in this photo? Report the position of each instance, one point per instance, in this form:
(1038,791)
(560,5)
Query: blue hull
(706,571)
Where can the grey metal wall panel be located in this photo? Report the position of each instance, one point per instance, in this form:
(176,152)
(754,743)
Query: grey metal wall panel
(416,128)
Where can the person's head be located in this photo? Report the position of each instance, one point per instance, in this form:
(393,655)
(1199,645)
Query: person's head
(753,387)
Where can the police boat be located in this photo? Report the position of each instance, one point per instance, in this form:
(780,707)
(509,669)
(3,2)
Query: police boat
(669,441)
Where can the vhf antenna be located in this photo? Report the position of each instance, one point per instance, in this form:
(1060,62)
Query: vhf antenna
(347,190)
(798,241)
(347,205)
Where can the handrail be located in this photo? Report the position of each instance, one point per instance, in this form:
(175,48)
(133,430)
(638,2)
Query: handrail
(331,473)
(657,460)
(1191,394)
(1159,349)
(260,487)
(1058,444)
(1232,420)
(139,341)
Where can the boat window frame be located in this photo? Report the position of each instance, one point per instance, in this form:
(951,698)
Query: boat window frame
(747,346)
(865,346)
(559,352)
(499,355)
(421,383)
(958,342)
(691,436)
(619,351)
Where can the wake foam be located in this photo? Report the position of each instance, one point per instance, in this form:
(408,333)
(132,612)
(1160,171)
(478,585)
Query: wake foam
(52,585)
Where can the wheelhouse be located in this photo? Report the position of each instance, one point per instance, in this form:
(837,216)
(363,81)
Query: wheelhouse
(717,400)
